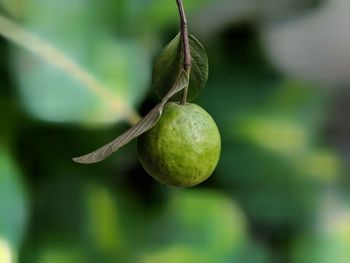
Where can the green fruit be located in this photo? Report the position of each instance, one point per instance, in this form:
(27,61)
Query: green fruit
(183,149)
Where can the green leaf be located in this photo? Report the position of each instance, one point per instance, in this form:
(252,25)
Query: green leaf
(13,202)
(197,225)
(51,94)
(169,64)
(103,219)
(148,122)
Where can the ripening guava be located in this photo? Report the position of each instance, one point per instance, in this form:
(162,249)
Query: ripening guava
(183,148)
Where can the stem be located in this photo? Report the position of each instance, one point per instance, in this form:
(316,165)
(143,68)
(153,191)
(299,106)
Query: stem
(52,55)
(187,59)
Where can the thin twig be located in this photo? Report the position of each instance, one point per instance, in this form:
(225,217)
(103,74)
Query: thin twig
(187,59)
(39,47)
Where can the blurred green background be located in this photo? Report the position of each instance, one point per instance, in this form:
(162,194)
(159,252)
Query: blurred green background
(278,90)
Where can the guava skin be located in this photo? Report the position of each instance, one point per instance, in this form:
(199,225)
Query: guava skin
(183,148)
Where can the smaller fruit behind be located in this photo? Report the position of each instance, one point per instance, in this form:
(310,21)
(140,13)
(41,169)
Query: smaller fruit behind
(183,149)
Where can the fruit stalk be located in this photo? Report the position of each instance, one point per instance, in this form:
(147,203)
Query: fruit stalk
(187,59)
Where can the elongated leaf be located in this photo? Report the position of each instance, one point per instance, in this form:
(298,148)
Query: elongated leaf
(47,89)
(13,203)
(169,63)
(148,122)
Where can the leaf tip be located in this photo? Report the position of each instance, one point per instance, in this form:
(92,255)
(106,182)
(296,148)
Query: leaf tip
(80,160)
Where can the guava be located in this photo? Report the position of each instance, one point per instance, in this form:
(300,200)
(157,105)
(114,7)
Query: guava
(183,148)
